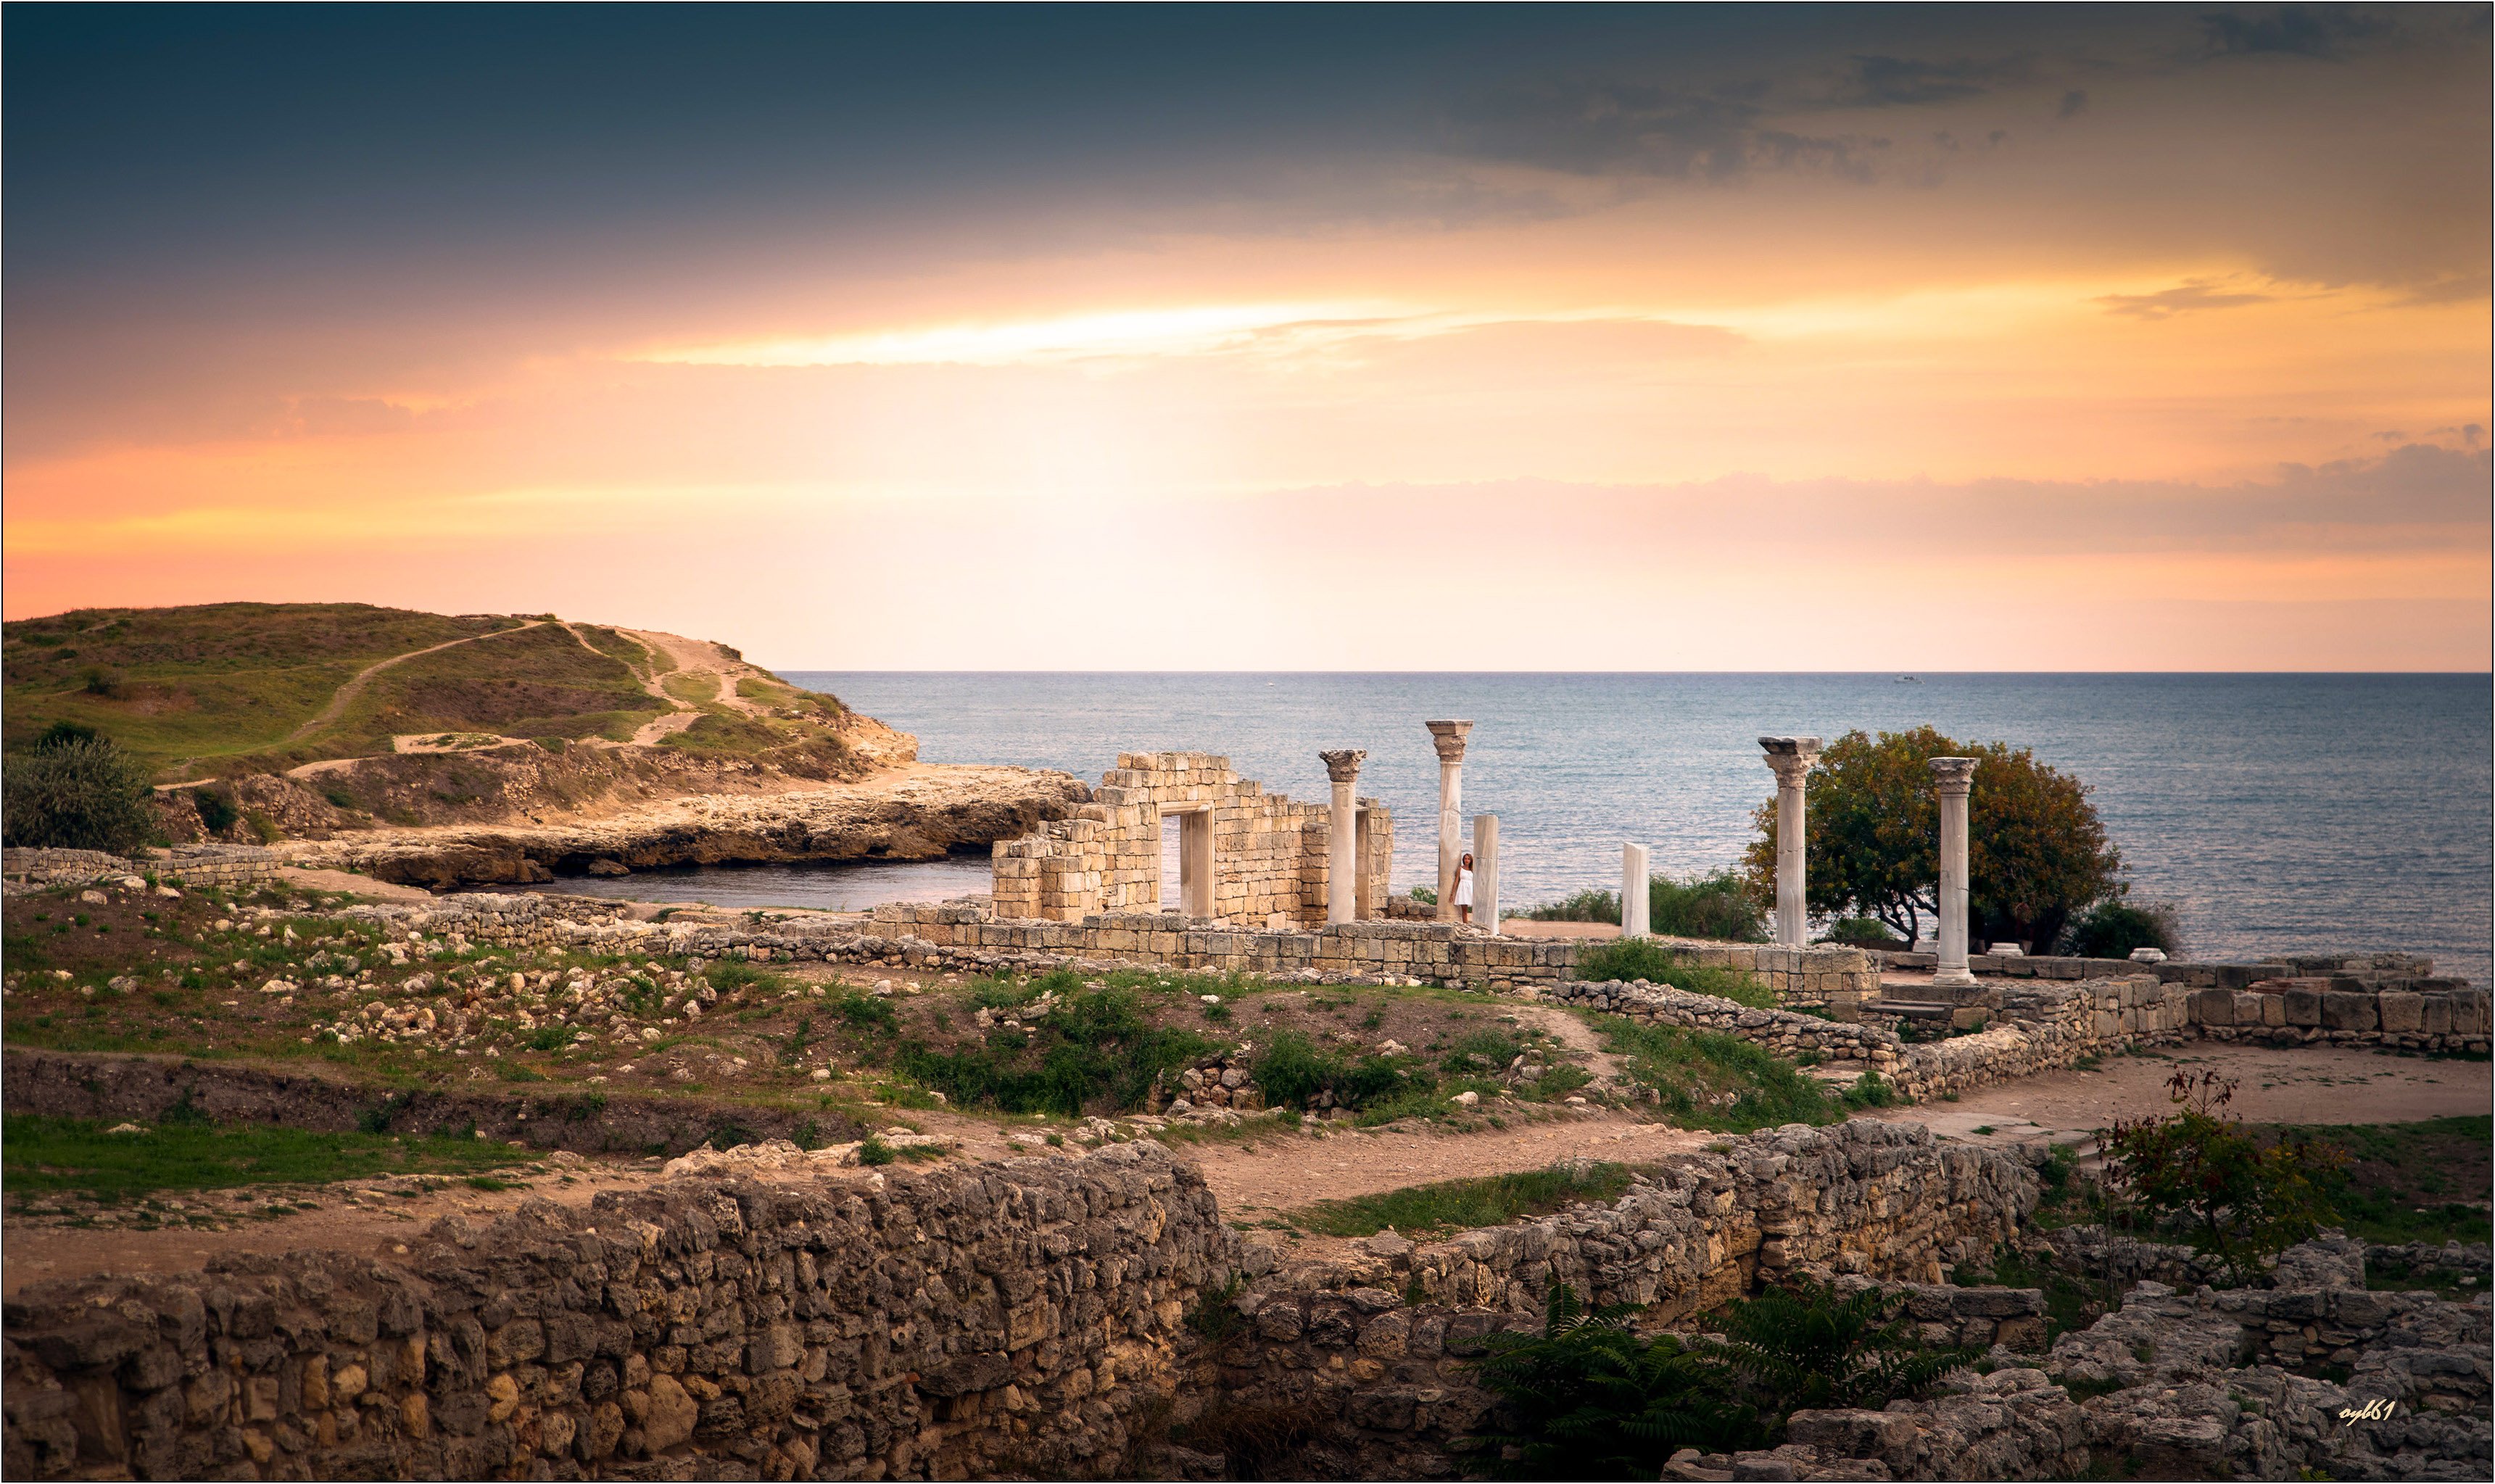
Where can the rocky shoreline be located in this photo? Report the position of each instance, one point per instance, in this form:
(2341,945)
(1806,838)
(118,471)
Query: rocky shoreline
(921,812)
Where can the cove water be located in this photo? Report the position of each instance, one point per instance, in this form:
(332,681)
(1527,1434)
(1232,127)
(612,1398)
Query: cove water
(2277,812)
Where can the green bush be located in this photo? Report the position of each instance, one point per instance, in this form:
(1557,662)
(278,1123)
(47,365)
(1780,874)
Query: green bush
(1863,933)
(2198,1174)
(1587,1397)
(2112,929)
(1460,1205)
(1093,1050)
(217,813)
(1716,905)
(1804,1346)
(1644,958)
(71,793)
(1591,904)
(1293,1070)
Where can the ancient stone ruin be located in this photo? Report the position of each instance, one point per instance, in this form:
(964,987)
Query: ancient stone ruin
(1246,857)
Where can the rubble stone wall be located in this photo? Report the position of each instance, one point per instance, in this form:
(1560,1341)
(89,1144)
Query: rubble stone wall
(1269,852)
(1368,1355)
(997,1319)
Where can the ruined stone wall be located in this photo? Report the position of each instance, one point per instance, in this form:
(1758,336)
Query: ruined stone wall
(1366,1358)
(995,1319)
(193,865)
(1436,952)
(1269,860)
(2045,1027)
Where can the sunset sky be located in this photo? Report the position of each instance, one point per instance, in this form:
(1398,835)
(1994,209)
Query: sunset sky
(1312,339)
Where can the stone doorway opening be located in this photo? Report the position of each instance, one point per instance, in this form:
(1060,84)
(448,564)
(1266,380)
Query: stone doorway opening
(1186,859)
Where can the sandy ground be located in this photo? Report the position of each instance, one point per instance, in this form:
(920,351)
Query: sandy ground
(1257,1178)
(2274,1086)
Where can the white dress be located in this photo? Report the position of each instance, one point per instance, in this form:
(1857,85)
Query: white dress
(1464,888)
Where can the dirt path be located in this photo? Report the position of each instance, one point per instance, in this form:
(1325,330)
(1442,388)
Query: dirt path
(698,656)
(355,684)
(2276,1086)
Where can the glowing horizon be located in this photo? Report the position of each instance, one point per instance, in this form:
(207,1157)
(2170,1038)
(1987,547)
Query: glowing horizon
(2008,340)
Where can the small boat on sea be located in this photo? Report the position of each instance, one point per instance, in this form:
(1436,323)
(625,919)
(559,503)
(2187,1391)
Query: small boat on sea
(1908,680)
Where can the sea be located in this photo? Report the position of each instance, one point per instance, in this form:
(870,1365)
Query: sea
(2274,813)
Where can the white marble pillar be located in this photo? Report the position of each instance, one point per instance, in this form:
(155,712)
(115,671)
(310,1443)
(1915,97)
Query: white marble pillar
(1633,892)
(1790,758)
(1342,843)
(1486,871)
(1448,737)
(1954,777)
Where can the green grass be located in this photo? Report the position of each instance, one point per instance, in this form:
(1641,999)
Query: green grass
(1457,1205)
(75,1153)
(1642,958)
(1721,1082)
(2415,1182)
(1095,1051)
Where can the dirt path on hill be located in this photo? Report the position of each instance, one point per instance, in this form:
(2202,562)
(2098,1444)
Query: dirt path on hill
(700,656)
(355,684)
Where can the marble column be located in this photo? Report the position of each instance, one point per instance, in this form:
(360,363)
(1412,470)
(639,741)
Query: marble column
(1954,777)
(1448,737)
(1633,892)
(1342,843)
(1790,759)
(1486,871)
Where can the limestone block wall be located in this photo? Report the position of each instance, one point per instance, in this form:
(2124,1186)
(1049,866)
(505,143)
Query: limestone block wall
(193,865)
(1269,860)
(1012,1318)
(2370,971)
(2345,1012)
(1434,951)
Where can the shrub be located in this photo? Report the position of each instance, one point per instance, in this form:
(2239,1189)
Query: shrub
(1642,958)
(1804,1346)
(2196,1173)
(1591,904)
(217,813)
(1588,1398)
(339,797)
(1293,1072)
(1717,906)
(1863,933)
(2037,852)
(2112,929)
(77,793)
(1094,1049)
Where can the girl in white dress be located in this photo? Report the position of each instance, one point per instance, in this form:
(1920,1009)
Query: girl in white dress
(1464,889)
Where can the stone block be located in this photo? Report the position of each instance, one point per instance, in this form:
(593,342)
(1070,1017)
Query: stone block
(2434,1014)
(2345,1012)
(2399,1011)
(2248,1008)
(2303,1005)
(2213,1008)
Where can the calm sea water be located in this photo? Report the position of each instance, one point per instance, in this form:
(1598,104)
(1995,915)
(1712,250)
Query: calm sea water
(2276,812)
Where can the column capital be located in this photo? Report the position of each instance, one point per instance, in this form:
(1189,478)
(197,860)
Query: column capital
(1790,757)
(1448,737)
(1343,766)
(1954,775)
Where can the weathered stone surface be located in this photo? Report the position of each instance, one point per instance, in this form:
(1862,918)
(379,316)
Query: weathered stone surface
(1009,1318)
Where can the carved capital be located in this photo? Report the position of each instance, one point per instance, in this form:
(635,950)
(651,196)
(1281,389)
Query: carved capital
(1954,775)
(1343,766)
(1448,737)
(1790,757)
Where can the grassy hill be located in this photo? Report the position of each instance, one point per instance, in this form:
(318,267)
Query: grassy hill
(240,688)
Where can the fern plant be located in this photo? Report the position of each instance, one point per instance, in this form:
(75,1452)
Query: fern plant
(1588,1398)
(1805,1346)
